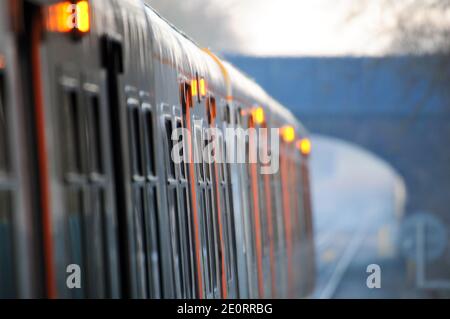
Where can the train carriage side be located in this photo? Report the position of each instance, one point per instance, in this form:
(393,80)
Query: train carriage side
(296,163)
(191,94)
(72,98)
(19,242)
(248,97)
(106,96)
(278,217)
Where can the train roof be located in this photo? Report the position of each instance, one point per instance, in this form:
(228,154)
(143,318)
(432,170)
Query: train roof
(174,47)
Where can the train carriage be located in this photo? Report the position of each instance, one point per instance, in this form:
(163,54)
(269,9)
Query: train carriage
(16,201)
(88,176)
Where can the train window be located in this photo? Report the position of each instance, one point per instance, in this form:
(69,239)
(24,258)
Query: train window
(209,239)
(141,251)
(199,153)
(135,139)
(180,140)
(7,289)
(183,244)
(210,109)
(154,245)
(150,142)
(186,96)
(169,129)
(189,245)
(222,163)
(94,135)
(239,119)
(175,240)
(227,114)
(207,165)
(96,252)
(72,132)
(75,232)
(273,201)
(204,251)
(4,165)
(263,213)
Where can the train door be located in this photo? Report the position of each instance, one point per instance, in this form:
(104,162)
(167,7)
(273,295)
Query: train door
(197,239)
(178,203)
(208,260)
(287,214)
(266,216)
(240,206)
(7,288)
(279,229)
(185,218)
(258,207)
(152,195)
(19,242)
(224,217)
(139,163)
(144,192)
(21,266)
(309,257)
(225,189)
(76,215)
(251,216)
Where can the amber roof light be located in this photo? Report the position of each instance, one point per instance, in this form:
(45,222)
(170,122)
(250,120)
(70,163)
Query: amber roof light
(64,17)
(288,134)
(258,115)
(304,145)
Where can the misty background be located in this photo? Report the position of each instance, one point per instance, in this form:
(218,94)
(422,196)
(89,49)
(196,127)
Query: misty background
(370,79)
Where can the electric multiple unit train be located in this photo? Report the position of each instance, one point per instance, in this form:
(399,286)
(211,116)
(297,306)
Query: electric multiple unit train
(90,94)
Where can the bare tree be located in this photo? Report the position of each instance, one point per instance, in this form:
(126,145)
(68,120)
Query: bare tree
(421,30)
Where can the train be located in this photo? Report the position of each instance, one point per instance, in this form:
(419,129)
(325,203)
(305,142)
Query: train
(90,95)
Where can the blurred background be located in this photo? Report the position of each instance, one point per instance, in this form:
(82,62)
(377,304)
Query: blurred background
(371,81)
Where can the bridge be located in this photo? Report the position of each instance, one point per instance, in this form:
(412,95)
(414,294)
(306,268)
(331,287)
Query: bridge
(398,108)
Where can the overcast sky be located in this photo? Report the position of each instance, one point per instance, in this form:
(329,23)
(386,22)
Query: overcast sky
(286,27)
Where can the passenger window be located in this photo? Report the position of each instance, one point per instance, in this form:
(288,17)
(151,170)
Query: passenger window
(182,153)
(223,159)
(75,232)
(72,132)
(168,127)
(238,117)
(135,139)
(95,135)
(139,237)
(199,156)
(227,114)
(155,247)
(4,165)
(186,97)
(207,165)
(7,289)
(150,146)
(175,239)
(211,109)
